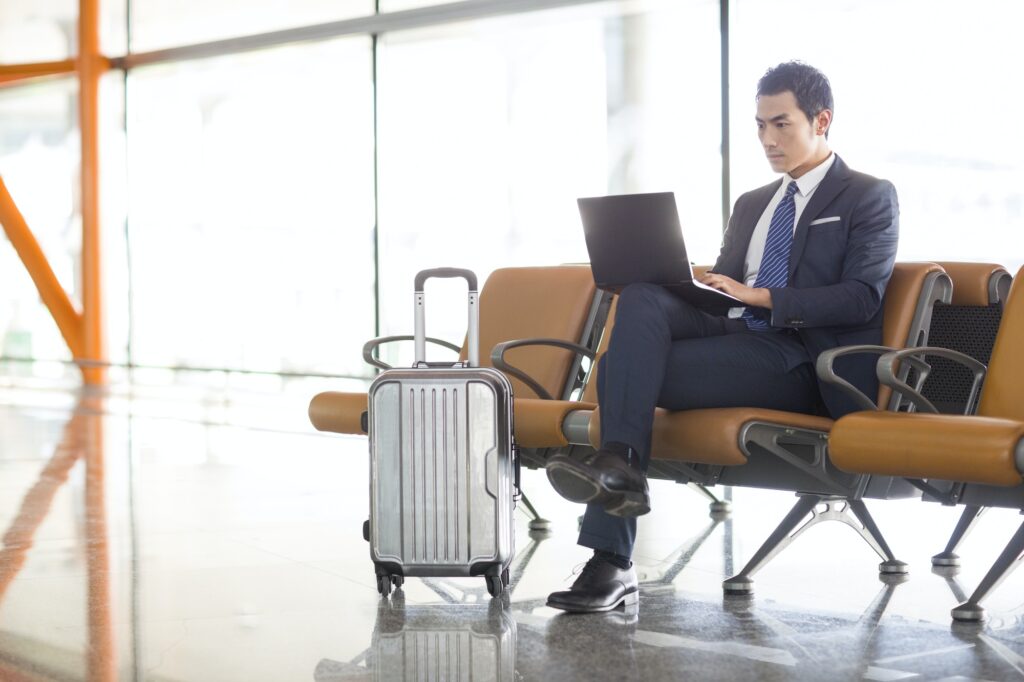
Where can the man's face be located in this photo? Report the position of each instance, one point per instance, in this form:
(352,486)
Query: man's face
(792,143)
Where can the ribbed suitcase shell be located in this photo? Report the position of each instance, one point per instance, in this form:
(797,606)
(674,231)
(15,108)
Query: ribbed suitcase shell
(442,471)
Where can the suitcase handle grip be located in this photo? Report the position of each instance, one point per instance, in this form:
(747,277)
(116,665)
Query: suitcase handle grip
(445,273)
(473,332)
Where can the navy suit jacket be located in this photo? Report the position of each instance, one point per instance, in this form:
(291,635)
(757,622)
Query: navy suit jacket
(838,270)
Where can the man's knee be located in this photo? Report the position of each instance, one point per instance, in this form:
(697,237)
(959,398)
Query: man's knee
(642,298)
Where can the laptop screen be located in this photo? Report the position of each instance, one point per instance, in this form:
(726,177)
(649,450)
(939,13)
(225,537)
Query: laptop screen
(634,238)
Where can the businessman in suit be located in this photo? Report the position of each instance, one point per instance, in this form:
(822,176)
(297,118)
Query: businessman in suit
(808,255)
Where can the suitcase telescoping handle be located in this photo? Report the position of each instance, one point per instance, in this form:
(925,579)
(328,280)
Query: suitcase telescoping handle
(473,356)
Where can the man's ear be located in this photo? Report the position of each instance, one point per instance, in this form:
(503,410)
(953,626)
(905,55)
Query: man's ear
(822,121)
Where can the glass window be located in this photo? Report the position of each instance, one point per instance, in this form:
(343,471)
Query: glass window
(490,130)
(923,104)
(251,210)
(40,153)
(47,30)
(158,24)
(39,158)
(37,30)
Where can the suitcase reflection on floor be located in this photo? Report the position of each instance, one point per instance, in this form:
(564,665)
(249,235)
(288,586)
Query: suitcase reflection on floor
(435,641)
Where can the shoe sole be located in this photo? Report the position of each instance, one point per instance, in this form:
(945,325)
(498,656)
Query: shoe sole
(628,599)
(577,486)
(573,485)
(630,505)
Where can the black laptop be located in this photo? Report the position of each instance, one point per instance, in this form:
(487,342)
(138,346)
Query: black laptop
(637,238)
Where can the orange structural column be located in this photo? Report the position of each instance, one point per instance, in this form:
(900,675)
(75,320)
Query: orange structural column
(91,66)
(50,290)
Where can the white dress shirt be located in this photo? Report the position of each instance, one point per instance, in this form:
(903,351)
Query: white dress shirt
(805,184)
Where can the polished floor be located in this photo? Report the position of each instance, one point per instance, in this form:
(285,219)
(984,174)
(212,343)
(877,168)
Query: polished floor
(149,539)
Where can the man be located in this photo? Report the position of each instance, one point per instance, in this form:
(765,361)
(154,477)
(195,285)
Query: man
(810,256)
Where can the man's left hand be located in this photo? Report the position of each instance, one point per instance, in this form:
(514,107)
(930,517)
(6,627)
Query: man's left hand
(761,298)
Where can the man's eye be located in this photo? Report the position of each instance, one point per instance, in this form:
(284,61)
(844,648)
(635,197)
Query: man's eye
(782,125)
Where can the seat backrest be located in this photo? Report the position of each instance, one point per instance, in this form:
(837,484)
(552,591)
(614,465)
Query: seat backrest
(909,298)
(536,302)
(968,324)
(1003,392)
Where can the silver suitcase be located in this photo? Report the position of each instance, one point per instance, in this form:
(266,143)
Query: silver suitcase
(444,476)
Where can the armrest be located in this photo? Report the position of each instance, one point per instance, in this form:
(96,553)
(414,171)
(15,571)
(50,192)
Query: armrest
(827,373)
(499,362)
(370,346)
(886,371)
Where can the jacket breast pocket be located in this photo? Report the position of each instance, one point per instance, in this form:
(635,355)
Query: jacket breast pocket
(830,226)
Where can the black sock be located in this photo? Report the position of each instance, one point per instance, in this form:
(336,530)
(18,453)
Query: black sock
(616,560)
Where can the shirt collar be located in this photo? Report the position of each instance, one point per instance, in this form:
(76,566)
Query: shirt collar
(810,180)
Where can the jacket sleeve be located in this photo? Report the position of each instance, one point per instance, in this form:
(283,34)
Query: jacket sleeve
(867,267)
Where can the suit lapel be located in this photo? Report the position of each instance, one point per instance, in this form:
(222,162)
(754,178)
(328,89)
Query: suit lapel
(831,185)
(746,223)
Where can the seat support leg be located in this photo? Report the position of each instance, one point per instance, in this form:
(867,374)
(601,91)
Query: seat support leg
(869,531)
(537,522)
(717,506)
(743,583)
(821,508)
(949,557)
(1011,557)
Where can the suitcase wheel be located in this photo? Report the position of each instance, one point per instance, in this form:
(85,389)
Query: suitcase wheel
(366,530)
(504,577)
(495,585)
(384,585)
(397,581)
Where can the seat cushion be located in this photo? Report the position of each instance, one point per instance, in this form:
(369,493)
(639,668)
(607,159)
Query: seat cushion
(538,423)
(946,447)
(338,412)
(712,436)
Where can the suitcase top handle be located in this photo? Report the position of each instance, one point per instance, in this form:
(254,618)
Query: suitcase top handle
(473,332)
(468,275)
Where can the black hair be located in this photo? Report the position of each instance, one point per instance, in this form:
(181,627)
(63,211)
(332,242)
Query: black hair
(810,87)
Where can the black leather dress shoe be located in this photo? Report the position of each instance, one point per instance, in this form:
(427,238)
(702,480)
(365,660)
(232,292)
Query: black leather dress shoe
(600,587)
(606,478)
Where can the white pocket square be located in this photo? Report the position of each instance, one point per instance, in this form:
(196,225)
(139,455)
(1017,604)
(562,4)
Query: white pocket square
(822,221)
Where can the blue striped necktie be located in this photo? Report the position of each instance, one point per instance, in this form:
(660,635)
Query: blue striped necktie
(774,270)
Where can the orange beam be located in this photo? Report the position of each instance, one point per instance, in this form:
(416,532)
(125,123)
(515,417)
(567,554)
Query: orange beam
(19,72)
(54,297)
(91,66)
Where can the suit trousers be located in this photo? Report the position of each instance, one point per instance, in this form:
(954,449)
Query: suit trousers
(664,352)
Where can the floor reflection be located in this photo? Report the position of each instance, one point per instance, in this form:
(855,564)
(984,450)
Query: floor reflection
(82,439)
(149,548)
(435,642)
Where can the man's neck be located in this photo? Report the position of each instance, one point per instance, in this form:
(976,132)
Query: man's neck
(811,165)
